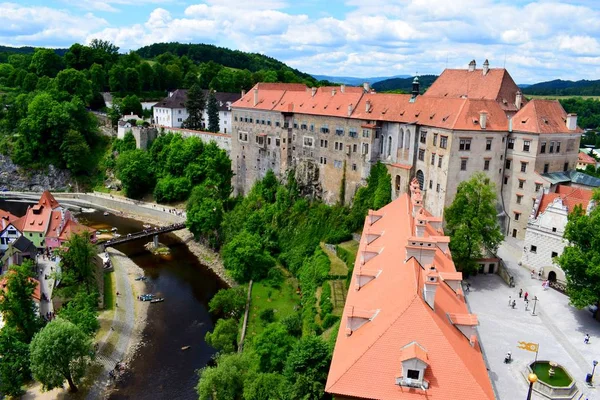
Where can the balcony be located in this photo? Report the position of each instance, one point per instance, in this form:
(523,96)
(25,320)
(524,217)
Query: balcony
(413,383)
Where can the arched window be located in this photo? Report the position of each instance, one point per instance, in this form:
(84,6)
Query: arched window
(389,149)
(407,140)
(397,183)
(420,178)
(401,141)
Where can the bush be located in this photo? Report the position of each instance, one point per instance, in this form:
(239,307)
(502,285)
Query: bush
(267,315)
(338,236)
(329,321)
(171,189)
(275,277)
(325,302)
(293,324)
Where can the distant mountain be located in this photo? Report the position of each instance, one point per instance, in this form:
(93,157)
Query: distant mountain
(524,85)
(404,84)
(27,50)
(558,87)
(352,81)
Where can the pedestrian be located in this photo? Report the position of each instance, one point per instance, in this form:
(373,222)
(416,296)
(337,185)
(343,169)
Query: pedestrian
(520,293)
(526,295)
(514,303)
(117,293)
(116,305)
(509,300)
(468,287)
(540,274)
(586,339)
(532,273)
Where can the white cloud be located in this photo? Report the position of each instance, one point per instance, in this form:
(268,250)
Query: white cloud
(111,5)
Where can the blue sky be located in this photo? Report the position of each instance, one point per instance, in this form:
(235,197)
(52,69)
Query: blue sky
(536,40)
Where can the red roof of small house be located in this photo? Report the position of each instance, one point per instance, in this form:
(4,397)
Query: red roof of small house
(36,292)
(72,227)
(48,200)
(586,158)
(6,218)
(570,197)
(542,116)
(19,223)
(37,218)
(370,345)
(55,225)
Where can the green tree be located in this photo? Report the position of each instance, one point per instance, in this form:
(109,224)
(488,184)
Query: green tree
(129,142)
(224,336)
(30,82)
(205,212)
(229,302)
(471,221)
(266,387)
(212,109)
(104,51)
(307,366)
(195,107)
(16,304)
(75,152)
(581,257)
(146,74)
(116,79)
(272,347)
(74,83)
(134,169)
(226,380)
(59,352)
(169,189)
(245,257)
(82,311)
(132,78)
(45,62)
(131,104)
(97,77)
(77,265)
(14,368)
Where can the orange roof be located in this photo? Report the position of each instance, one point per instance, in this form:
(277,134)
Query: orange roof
(413,350)
(367,359)
(48,200)
(542,116)
(496,85)
(19,223)
(586,158)
(55,221)
(6,218)
(37,219)
(36,291)
(269,95)
(74,227)
(570,197)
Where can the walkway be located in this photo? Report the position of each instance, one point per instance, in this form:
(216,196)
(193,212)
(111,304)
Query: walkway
(113,346)
(558,328)
(45,268)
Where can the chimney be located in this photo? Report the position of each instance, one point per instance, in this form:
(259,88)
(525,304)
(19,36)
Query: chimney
(486,67)
(255,96)
(415,87)
(571,122)
(367,87)
(243,92)
(313,91)
(518,99)
(349,109)
(430,287)
(333,92)
(472,66)
(482,119)
(342,88)
(420,225)
(368,106)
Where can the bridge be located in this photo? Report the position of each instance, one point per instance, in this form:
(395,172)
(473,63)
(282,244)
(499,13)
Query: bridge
(154,232)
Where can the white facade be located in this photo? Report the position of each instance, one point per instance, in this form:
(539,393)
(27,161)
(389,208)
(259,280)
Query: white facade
(224,120)
(8,235)
(170,117)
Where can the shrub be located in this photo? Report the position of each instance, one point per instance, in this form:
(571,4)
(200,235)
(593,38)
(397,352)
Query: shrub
(267,315)
(275,277)
(329,321)
(293,324)
(325,303)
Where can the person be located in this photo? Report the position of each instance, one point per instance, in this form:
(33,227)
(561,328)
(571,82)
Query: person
(468,287)
(526,295)
(509,300)
(532,273)
(540,274)
(586,339)
(514,303)
(508,358)
(520,293)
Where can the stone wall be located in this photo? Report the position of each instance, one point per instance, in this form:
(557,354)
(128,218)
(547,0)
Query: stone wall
(13,177)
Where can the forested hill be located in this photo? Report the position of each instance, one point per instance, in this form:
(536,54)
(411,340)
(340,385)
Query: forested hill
(202,53)
(403,84)
(27,50)
(558,87)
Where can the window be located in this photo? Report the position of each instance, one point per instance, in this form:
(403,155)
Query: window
(517,216)
(465,144)
(519,198)
(352,133)
(486,165)
(558,147)
(433,159)
(324,129)
(354,148)
(295,125)
(507,164)
(543,148)
(303,126)
(308,141)
(437,188)
(398,179)
(339,131)
(365,133)
(488,144)
(277,142)
(412,374)
(423,137)
(526,145)
(444,142)
(521,183)
(523,166)
(440,161)
(435,135)
(463,164)
(353,167)
(538,186)
(430,184)
(323,160)
(505,180)
(421,154)
(277,123)
(553,229)
(365,148)
(235,118)
(511,144)
(551,150)
(337,163)
(546,167)
(566,166)
(533,249)
(554,254)
(269,141)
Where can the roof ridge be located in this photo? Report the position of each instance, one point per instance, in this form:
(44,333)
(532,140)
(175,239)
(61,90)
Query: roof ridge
(535,113)
(459,111)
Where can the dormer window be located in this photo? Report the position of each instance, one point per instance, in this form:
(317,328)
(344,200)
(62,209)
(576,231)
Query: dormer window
(414,361)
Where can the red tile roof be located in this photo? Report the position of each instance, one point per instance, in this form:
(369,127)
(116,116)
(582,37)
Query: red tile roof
(570,197)
(72,227)
(6,218)
(48,200)
(37,219)
(19,223)
(55,221)
(542,116)
(367,359)
(586,158)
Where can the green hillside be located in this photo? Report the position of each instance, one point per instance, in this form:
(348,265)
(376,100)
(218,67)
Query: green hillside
(559,87)
(404,84)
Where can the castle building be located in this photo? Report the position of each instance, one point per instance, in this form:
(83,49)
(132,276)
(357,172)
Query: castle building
(406,331)
(469,120)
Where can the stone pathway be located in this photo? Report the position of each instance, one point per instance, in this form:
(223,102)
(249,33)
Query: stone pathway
(47,268)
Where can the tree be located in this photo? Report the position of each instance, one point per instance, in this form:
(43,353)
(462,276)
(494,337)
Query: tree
(45,62)
(97,77)
(245,257)
(129,142)
(224,336)
(75,151)
(212,110)
(131,105)
(132,78)
(78,268)
(116,79)
(82,311)
(104,51)
(16,303)
(307,366)
(226,380)
(59,352)
(581,258)
(272,347)
(229,302)
(14,368)
(195,107)
(205,212)
(134,169)
(266,387)
(471,221)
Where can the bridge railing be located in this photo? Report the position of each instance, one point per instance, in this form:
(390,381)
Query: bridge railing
(139,235)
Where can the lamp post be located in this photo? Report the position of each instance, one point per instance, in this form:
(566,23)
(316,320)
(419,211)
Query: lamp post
(532,378)
(594,363)
(535,300)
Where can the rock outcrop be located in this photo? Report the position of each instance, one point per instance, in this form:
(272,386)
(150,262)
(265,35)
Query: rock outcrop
(13,177)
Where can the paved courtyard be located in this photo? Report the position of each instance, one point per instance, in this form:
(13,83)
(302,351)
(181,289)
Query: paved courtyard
(558,328)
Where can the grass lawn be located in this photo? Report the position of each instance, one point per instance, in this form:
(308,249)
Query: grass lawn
(338,267)
(109,291)
(282,301)
(338,296)
(351,246)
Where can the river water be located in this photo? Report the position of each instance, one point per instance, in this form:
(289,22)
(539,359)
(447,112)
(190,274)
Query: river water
(161,369)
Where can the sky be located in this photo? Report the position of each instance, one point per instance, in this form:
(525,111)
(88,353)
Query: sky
(535,40)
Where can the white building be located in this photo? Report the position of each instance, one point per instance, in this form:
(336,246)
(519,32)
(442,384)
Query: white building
(10,229)
(171,112)
(546,226)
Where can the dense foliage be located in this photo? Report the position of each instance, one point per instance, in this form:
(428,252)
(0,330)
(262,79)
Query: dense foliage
(16,304)
(581,257)
(588,116)
(404,84)
(559,87)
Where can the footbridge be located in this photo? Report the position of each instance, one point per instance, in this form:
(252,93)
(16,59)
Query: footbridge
(151,232)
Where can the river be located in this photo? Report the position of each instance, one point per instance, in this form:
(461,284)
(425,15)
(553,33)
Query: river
(161,369)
